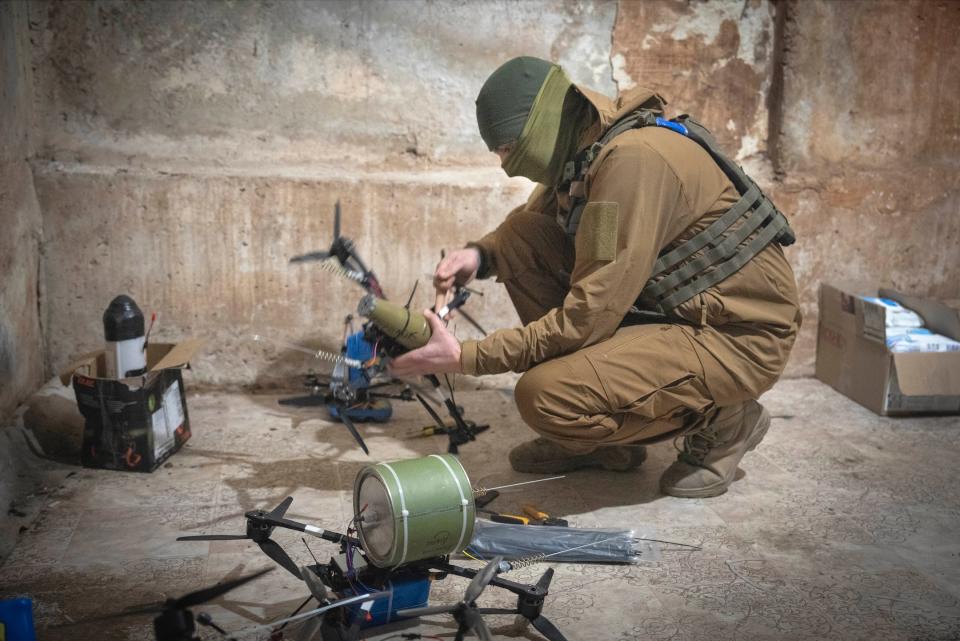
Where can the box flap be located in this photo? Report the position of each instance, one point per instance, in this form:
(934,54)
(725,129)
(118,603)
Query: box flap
(938,317)
(87,360)
(837,306)
(928,374)
(177,356)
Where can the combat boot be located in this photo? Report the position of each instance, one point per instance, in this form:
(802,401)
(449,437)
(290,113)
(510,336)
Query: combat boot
(709,457)
(543,456)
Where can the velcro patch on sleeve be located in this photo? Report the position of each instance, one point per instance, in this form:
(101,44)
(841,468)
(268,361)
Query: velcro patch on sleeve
(597,234)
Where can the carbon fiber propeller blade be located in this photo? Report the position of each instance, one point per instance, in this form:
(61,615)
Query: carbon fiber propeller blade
(314,584)
(476,623)
(480,581)
(544,582)
(336,220)
(353,430)
(213,537)
(281,509)
(312,256)
(427,611)
(272,549)
(547,629)
(496,611)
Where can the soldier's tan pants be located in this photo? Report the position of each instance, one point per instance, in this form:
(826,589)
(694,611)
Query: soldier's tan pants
(644,384)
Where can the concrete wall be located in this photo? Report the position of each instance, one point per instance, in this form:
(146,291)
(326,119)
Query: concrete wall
(188,149)
(870,147)
(21,358)
(185,150)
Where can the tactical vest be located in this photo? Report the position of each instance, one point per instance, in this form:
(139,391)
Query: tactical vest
(751,224)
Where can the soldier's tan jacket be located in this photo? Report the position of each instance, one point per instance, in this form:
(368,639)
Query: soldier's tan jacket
(650,188)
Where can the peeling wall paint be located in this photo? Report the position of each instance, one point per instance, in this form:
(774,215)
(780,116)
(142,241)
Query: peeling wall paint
(709,59)
(870,147)
(185,150)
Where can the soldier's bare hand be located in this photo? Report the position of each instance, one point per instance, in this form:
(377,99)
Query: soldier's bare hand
(441,355)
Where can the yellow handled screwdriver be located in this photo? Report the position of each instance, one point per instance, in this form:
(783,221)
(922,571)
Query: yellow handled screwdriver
(544,519)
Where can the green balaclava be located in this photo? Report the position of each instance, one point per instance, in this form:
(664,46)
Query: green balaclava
(533,103)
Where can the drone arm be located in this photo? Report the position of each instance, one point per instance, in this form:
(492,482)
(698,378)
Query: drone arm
(467,573)
(312,530)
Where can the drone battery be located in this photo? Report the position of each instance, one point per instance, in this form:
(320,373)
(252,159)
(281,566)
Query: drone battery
(401,594)
(133,423)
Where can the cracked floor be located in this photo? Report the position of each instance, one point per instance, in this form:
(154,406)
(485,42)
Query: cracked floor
(843,525)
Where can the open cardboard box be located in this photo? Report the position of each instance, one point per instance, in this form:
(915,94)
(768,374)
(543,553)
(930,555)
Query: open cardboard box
(852,355)
(133,423)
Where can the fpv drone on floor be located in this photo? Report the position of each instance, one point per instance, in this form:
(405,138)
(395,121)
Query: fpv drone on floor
(355,596)
(357,389)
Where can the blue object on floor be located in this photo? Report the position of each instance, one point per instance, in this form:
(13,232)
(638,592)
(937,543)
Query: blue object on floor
(378,411)
(16,620)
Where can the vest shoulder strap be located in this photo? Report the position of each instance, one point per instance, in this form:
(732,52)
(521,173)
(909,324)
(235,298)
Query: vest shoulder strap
(711,255)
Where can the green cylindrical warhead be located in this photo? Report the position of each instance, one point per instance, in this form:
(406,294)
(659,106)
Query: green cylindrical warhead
(410,329)
(414,509)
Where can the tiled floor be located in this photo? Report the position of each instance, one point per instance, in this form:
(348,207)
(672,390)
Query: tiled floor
(843,526)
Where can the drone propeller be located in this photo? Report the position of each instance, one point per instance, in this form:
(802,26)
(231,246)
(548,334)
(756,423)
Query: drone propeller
(343,259)
(309,257)
(336,220)
(259,526)
(190,600)
(540,622)
(353,429)
(465,612)
(547,629)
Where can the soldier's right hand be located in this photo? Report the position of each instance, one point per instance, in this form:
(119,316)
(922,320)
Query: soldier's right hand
(459,267)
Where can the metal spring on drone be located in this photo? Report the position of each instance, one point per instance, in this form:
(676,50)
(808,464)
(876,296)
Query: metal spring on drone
(528,561)
(332,266)
(331,358)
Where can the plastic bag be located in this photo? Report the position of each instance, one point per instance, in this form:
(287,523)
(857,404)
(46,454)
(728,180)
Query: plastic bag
(566,544)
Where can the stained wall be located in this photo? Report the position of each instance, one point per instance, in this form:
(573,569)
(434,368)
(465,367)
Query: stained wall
(185,150)
(21,356)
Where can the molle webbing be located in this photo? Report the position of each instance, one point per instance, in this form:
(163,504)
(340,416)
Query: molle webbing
(751,224)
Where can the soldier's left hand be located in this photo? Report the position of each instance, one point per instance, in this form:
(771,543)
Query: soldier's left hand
(441,354)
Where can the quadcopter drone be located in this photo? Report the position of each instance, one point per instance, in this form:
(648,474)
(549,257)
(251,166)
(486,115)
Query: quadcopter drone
(355,391)
(357,596)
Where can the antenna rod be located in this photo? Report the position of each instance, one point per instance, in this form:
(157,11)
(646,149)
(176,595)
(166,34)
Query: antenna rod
(503,487)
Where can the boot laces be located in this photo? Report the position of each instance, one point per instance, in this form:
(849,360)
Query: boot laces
(697,445)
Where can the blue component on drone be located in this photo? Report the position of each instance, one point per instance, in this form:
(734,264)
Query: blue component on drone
(378,410)
(360,349)
(401,594)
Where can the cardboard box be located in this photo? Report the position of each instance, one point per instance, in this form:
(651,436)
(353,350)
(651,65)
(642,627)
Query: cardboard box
(134,423)
(852,356)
